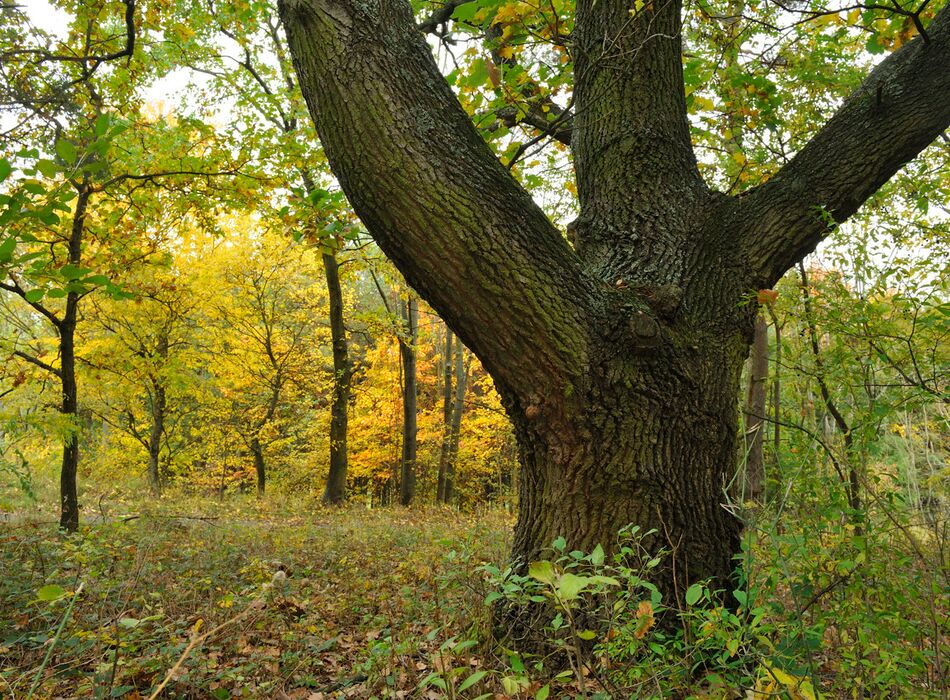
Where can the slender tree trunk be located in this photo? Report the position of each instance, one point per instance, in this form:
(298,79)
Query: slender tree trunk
(776,386)
(850,479)
(455,429)
(407,353)
(156,431)
(260,467)
(335,491)
(755,413)
(447,394)
(69,499)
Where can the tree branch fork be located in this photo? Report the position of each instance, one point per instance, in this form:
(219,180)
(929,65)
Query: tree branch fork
(372,85)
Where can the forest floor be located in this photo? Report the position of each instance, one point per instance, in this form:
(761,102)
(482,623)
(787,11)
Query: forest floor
(225,601)
(193,598)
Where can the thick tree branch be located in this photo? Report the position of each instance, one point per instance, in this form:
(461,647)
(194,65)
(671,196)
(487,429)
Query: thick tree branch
(440,16)
(631,142)
(902,106)
(434,197)
(559,127)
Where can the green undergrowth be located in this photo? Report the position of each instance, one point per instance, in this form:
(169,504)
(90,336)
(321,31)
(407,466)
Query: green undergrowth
(195,598)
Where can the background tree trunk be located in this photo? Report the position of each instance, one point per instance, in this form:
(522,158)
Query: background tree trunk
(407,353)
(335,491)
(455,429)
(753,487)
(69,498)
(447,394)
(156,431)
(260,467)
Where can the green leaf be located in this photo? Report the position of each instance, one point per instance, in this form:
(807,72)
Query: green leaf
(873,45)
(597,556)
(66,151)
(34,295)
(587,635)
(102,125)
(129,622)
(740,596)
(510,685)
(96,280)
(693,594)
(571,585)
(516,663)
(606,580)
(478,73)
(5,169)
(465,12)
(73,272)
(542,571)
(472,680)
(47,167)
(121,690)
(543,692)
(6,250)
(50,592)
(559,544)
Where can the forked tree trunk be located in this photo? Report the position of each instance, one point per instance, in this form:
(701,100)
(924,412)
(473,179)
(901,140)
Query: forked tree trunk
(618,360)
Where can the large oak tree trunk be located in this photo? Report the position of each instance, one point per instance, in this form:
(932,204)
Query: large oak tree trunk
(619,359)
(653,444)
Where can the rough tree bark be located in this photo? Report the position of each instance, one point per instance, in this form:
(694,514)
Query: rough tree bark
(619,360)
(407,355)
